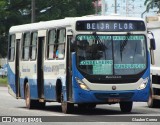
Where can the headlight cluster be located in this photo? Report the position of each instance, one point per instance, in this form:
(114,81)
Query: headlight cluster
(143,84)
(82,84)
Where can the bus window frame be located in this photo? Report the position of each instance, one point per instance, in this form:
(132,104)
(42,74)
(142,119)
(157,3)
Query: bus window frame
(10,48)
(63,43)
(31,46)
(22,56)
(47,44)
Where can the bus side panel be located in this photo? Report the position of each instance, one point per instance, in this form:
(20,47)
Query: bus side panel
(143,95)
(50,89)
(11,78)
(50,80)
(28,73)
(33,88)
(53,70)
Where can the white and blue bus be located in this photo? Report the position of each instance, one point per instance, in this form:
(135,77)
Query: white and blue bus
(86,61)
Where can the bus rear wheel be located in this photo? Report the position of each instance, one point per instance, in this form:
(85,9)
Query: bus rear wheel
(66,106)
(126,106)
(30,104)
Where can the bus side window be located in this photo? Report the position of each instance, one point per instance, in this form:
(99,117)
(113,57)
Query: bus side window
(26,46)
(51,51)
(11,48)
(61,44)
(33,53)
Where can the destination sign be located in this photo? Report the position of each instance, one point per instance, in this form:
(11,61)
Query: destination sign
(110,26)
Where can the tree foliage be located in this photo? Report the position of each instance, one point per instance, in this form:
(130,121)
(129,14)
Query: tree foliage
(150,4)
(16,12)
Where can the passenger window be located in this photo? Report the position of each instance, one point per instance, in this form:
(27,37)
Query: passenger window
(51,53)
(26,45)
(11,48)
(34,46)
(61,44)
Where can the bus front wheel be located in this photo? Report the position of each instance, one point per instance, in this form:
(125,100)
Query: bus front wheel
(126,106)
(66,106)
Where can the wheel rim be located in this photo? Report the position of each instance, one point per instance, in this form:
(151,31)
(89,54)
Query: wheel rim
(63,104)
(150,100)
(27,97)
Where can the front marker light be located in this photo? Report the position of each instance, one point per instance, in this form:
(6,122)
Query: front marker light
(143,84)
(82,84)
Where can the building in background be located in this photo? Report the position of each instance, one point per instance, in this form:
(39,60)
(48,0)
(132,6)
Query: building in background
(131,8)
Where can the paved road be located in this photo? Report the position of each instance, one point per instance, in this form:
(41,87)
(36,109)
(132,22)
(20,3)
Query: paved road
(9,106)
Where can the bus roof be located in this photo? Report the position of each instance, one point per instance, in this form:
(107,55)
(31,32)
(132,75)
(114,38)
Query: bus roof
(64,22)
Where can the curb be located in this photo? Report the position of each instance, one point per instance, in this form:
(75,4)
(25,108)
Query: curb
(3,85)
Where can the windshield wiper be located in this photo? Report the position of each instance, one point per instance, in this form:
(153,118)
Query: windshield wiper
(102,46)
(124,43)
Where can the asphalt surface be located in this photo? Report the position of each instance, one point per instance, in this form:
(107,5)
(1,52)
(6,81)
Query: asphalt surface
(103,114)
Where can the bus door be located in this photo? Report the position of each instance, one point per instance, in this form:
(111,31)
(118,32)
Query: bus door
(69,68)
(17,72)
(40,68)
(17,68)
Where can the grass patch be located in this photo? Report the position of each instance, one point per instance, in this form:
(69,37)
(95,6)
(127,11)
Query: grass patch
(3,81)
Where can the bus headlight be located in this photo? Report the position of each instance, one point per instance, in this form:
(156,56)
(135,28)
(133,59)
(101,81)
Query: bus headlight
(81,84)
(143,84)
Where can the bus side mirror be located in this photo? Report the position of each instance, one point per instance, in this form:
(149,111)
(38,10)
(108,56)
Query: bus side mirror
(152,44)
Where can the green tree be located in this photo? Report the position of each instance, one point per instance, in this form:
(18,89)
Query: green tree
(16,12)
(150,4)
(57,9)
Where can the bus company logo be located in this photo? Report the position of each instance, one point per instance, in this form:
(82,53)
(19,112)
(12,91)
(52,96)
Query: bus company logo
(113,77)
(6,119)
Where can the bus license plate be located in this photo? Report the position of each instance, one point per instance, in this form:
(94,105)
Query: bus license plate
(113,100)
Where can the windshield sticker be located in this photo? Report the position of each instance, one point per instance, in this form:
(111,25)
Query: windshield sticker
(90,37)
(85,37)
(105,63)
(103,69)
(130,38)
(129,66)
(96,62)
(100,66)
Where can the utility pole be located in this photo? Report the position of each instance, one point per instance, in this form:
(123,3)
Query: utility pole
(115,7)
(103,7)
(33,11)
(96,7)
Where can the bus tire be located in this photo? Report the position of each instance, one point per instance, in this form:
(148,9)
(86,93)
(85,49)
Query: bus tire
(67,107)
(30,104)
(126,106)
(39,105)
(153,103)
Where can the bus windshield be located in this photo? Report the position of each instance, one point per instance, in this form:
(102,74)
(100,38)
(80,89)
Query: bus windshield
(111,54)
